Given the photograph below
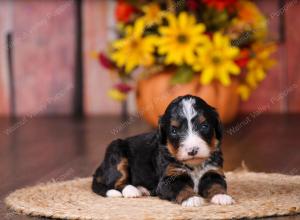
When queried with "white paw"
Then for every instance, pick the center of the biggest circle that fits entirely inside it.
(193, 201)
(222, 199)
(131, 191)
(144, 191)
(113, 193)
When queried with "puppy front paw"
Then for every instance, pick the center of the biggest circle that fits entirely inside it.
(113, 193)
(222, 199)
(131, 191)
(193, 201)
(143, 190)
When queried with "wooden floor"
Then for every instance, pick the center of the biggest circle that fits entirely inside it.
(34, 151)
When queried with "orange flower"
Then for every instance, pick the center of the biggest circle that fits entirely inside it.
(248, 12)
(123, 11)
(250, 15)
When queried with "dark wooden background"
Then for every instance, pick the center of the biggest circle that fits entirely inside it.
(45, 67)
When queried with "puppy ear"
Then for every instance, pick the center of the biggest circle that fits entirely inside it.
(161, 132)
(218, 126)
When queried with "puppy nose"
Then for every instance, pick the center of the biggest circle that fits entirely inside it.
(193, 151)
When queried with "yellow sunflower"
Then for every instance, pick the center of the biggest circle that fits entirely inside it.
(216, 60)
(244, 91)
(134, 49)
(152, 14)
(261, 62)
(180, 38)
(116, 95)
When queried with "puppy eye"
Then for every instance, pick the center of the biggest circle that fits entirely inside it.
(173, 130)
(204, 127)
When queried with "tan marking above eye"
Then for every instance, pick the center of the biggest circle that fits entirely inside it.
(175, 123)
(201, 119)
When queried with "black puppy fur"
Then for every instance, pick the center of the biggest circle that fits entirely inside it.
(153, 160)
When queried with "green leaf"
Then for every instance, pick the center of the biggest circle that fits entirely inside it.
(215, 20)
(184, 74)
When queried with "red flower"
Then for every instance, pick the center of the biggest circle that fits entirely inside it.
(243, 58)
(242, 62)
(105, 61)
(220, 4)
(123, 11)
(123, 87)
(192, 4)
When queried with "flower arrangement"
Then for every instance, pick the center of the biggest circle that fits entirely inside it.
(215, 40)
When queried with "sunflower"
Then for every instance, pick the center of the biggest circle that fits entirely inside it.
(134, 49)
(180, 38)
(116, 95)
(257, 67)
(261, 62)
(244, 91)
(216, 60)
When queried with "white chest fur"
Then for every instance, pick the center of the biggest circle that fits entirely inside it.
(197, 173)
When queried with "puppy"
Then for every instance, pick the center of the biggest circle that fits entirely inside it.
(180, 162)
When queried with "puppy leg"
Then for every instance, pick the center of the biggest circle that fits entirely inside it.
(177, 186)
(213, 187)
(112, 176)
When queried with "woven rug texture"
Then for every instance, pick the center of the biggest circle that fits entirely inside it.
(256, 195)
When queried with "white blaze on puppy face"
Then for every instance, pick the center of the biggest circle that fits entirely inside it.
(188, 109)
(192, 139)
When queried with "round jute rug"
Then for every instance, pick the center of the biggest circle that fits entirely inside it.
(256, 195)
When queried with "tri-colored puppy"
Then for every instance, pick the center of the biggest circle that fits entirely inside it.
(180, 162)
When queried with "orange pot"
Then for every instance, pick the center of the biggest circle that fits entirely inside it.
(154, 93)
